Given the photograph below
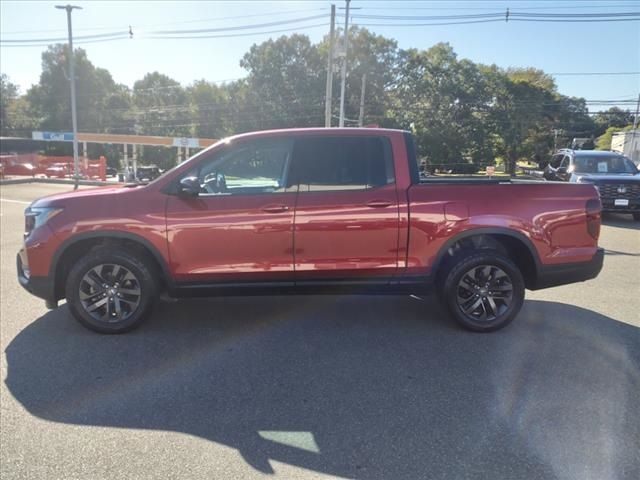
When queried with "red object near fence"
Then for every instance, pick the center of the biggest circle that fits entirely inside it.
(32, 165)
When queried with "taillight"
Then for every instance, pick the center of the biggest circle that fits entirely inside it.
(594, 212)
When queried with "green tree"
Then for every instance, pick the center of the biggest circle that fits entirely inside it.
(50, 98)
(444, 101)
(285, 85)
(211, 110)
(16, 114)
(161, 107)
(613, 117)
(522, 113)
(377, 57)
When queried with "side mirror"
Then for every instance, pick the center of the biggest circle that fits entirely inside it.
(189, 186)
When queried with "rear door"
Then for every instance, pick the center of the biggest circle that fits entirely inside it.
(346, 214)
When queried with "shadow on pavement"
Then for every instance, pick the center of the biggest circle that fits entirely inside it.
(620, 220)
(360, 387)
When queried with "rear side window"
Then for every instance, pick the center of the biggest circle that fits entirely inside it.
(341, 163)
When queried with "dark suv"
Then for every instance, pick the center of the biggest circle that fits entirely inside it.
(615, 177)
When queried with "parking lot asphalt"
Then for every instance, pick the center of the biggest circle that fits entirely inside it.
(323, 387)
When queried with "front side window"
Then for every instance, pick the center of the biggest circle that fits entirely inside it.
(341, 163)
(253, 167)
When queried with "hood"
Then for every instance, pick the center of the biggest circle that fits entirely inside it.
(609, 177)
(59, 199)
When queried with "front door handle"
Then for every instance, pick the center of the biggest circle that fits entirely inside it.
(275, 208)
(379, 203)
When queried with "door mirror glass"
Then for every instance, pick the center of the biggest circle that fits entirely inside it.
(189, 186)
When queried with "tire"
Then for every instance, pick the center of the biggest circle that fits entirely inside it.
(111, 290)
(472, 303)
(636, 217)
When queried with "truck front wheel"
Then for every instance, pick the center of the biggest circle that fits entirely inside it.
(483, 290)
(110, 290)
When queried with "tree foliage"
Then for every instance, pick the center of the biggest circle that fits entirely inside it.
(464, 115)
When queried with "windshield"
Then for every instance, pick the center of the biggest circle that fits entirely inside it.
(191, 159)
(603, 165)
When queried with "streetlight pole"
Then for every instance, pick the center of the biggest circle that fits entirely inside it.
(72, 79)
(329, 90)
(344, 63)
(364, 85)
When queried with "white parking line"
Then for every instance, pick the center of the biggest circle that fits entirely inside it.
(22, 202)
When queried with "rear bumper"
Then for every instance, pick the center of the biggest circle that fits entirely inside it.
(41, 287)
(555, 275)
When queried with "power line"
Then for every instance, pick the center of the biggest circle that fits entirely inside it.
(427, 24)
(538, 7)
(232, 35)
(594, 73)
(246, 34)
(64, 39)
(238, 27)
(201, 20)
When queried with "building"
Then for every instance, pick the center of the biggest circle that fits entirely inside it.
(627, 143)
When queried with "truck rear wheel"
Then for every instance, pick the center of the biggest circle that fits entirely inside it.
(483, 290)
(110, 291)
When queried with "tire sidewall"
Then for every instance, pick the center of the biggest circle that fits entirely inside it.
(466, 263)
(145, 278)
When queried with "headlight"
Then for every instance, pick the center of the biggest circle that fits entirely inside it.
(35, 217)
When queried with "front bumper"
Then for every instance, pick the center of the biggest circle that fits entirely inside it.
(608, 204)
(41, 287)
(555, 275)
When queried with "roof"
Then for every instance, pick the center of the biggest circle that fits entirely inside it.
(596, 153)
(592, 153)
(345, 131)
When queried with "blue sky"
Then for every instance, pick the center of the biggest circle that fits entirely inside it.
(554, 47)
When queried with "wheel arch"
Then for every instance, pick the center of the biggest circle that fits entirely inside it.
(82, 243)
(511, 242)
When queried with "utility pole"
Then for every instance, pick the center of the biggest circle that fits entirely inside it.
(364, 84)
(555, 139)
(329, 93)
(344, 63)
(72, 79)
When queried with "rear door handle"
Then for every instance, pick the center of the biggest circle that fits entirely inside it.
(379, 203)
(275, 208)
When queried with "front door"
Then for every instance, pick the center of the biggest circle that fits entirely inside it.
(240, 227)
(347, 215)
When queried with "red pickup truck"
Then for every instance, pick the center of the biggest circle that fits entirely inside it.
(308, 211)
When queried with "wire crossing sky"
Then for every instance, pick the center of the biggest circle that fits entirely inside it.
(592, 47)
